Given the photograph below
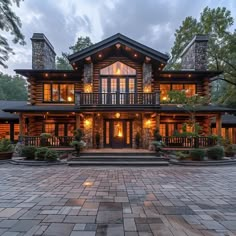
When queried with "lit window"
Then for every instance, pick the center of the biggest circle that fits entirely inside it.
(59, 92)
(49, 128)
(190, 89)
(164, 88)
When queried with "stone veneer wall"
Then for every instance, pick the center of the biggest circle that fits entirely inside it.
(43, 55)
(194, 55)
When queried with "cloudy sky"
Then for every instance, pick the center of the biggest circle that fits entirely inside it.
(151, 22)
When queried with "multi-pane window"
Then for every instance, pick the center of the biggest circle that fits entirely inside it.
(190, 89)
(59, 93)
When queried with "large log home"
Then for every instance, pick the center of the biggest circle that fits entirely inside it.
(117, 88)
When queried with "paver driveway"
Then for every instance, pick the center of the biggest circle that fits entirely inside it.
(117, 201)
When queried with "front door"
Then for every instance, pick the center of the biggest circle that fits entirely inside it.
(118, 133)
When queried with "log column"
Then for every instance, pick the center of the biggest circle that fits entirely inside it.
(77, 118)
(21, 124)
(218, 124)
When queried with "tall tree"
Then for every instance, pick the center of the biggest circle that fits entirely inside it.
(12, 87)
(11, 23)
(217, 24)
(82, 43)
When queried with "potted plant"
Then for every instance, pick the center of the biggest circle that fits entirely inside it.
(97, 140)
(44, 139)
(78, 143)
(6, 149)
(157, 136)
(137, 139)
(158, 147)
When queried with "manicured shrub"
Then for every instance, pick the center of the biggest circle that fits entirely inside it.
(197, 154)
(6, 146)
(28, 152)
(40, 153)
(215, 153)
(51, 155)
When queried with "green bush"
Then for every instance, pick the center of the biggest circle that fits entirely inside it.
(182, 155)
(197, 154)
(51, 155)
(215, 153)
(28, 152)
(5, 145)
(40, 153)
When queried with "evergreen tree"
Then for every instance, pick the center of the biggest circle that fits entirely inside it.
(9, 22)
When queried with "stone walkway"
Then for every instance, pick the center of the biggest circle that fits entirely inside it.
(112, 201)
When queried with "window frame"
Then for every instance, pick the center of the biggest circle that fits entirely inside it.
(183, 85)
(59, 93)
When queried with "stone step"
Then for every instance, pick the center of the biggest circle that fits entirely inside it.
(117, 154)
(119, 158)
(118, 163)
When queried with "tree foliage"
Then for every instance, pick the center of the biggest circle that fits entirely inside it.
(11, 23)
(82, 43)
(216, 23)
(12, 87)
(189, 104)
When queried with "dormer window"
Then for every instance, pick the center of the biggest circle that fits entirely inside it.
(63, 93)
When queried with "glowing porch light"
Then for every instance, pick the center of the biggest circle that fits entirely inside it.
(69, 99)
(117, 115)
(148, 123)
(88, 88)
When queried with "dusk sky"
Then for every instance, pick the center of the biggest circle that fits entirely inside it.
(151, 22)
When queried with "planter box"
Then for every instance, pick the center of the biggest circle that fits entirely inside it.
(5, 155)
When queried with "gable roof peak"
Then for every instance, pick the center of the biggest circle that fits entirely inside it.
(118, 38)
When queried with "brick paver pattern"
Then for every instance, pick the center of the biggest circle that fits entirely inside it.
(128, 201)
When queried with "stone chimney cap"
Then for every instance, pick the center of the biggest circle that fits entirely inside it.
(196, 38)
(42, 37)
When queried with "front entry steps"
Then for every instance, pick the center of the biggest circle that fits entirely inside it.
(118, 159)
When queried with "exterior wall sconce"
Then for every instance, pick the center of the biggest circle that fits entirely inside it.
(117, 115)
(147, 89)
(88, 123)
(148, 124)
(88, 88)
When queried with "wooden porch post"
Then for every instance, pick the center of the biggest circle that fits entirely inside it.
(77, 117)
(218, 124)
(158, 118)
(21, 124)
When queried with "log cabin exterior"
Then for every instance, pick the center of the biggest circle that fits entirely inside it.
(117, 88)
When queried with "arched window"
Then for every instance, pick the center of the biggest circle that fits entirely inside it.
(118, 68)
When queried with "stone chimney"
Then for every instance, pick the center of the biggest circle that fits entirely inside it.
(43, 55)
(194, 56)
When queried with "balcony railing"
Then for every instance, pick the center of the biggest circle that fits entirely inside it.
(121, 99)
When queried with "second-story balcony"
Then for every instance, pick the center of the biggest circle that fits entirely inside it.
(117, 99)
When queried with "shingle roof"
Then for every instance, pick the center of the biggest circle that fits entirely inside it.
(7, 105)
(226, 120)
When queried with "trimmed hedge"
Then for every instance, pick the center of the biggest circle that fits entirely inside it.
(40, 153)
(216, 153)
(28, 152)
(197, 154)
(51, 155)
